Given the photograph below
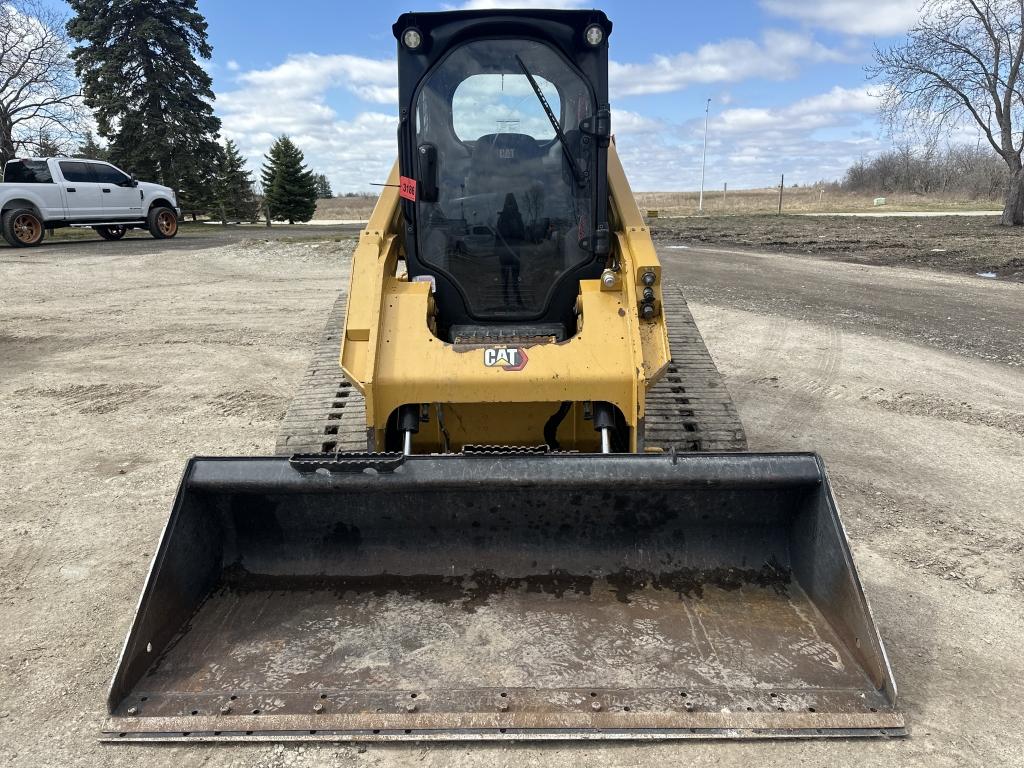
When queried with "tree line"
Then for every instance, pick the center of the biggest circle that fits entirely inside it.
(133, 66)
(962, 171)
(962, 63)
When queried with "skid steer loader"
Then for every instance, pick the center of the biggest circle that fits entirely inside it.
(524, 511)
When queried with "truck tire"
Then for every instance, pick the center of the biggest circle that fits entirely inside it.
(112, 231)
(162, 222)
(23, 228)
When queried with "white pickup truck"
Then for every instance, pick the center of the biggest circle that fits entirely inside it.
(41, 194)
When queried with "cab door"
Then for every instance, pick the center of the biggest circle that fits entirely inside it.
(85, 200)
(490, 159)
(120, 196)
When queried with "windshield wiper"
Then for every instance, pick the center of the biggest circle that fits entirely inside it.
(554, 122)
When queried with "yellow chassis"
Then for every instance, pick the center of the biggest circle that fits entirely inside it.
(390, 353)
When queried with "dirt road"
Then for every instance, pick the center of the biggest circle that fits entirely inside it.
(118, 362)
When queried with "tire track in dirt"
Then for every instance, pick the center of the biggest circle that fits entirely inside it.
(769, 350)
(91, 398)
(805, 402)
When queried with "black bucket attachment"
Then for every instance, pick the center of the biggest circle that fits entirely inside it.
(503, 597)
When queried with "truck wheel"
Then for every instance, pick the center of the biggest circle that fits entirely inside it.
(23, 228)
(112, 232)
(162, 223)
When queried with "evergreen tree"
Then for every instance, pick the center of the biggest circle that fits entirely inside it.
(152, 100)
(90, 150)
(323, 187)
(289, 187)
(47, 147)
(235, 196)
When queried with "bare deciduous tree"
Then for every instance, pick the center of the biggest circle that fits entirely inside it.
(959, 171)
(40, 103)
(960, 64)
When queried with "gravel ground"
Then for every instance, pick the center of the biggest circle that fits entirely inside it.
(120, 360)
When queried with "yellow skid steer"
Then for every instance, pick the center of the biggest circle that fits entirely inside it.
(522, 507)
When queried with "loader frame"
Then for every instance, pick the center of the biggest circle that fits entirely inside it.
(391, 354)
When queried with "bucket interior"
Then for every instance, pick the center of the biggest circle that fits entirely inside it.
(430, 603)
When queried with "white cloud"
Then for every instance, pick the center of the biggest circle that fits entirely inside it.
(626, 122)
(291, 98)
(233, 65)
(853, 17)
(310, 73)
(751, 146)
(776, 57)
(839, 106)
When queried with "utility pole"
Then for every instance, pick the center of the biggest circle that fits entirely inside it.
(704, 157)
(782, 186)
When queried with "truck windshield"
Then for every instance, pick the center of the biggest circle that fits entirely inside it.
(510, 212)
(27, 172)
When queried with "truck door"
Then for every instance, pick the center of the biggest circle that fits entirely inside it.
(83, 193)
(121, 199)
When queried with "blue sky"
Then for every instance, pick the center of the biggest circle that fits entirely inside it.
(786, 79)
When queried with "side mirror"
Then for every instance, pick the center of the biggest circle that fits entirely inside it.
(135, 182)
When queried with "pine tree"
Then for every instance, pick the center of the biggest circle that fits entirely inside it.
(152, 100)
(90, 150)
(46, 146)
(289, 187)
(323, 186)
(235, 197)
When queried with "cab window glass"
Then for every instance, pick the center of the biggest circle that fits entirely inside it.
(108, 174)
(75, 171)
(27, 172)
(502, 103)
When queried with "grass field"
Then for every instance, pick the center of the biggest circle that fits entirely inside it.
(744, 201)
(798, 200)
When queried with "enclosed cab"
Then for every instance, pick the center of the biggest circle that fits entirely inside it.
(505, 129)
(502, 203)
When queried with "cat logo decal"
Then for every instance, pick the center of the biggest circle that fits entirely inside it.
(506, 358)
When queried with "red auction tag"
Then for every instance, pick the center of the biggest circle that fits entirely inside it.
(407, 188)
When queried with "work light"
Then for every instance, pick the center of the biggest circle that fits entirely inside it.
(412, 39)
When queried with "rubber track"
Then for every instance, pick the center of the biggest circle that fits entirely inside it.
(689, 408)
(327, 414)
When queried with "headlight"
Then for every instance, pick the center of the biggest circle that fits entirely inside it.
(593, 35)
(412, 39)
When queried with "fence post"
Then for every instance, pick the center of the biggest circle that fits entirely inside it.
(782, 186)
